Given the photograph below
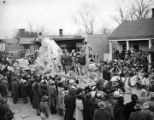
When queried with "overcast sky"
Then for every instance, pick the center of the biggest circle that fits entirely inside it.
(52, 14)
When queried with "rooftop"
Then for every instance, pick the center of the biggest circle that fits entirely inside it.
(137, 29)
(67, 37)
(10, 41)
(27, 40)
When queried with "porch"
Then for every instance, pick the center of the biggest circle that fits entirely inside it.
(132, 44)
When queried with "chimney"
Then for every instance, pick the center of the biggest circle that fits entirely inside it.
(21, 32)
(152, 12)
(60, 32)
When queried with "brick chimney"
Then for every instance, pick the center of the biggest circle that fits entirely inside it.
(21, 32)
(152, 12)
(60, 32)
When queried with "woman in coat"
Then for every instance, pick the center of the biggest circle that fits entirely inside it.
(119, 109)
(44, 108)
(60, 105)
(36, 96)
(52, 97)
(70, 104)
(102, 113)
(78, 114)
(15, 90)
(89, 105)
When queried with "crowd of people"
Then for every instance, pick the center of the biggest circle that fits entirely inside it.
(51, 95)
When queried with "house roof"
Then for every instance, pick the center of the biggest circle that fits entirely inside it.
(10, 41)
(136, 29)
(67, 37)
(26, 41)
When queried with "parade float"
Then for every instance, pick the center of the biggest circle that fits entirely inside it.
(48, 58)
(47, 63)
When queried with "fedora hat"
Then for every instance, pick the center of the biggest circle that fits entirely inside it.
(137, 106)
(102, 105)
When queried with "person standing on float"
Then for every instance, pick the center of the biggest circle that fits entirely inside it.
(87, 49)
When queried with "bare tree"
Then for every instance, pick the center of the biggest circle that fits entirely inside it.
(122, 15)
(85, 18)
(31, 28)
(105, 29)
(139, 9)
(40, 29)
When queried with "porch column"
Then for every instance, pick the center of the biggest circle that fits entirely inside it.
(110, 49)
(127, 45)
(118, 47)
(150, 45)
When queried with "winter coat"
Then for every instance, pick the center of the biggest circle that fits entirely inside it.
(44, 89)
(102, 114)
(44, 109)
(70, 106)
(151, 105)
(4, 88)
(78, 114)
(120, 112)
(60, 104)
(30, 92)
(110, 108)
(64, 93)
(36, 95)
(5, 112)
(141, 115)
(15, 89)
(88, 110)
(130, 108)
(52, 96)
(24, 89)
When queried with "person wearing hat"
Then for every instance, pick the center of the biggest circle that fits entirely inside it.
(141, 114)
(130, 105)
(60, 105)
(69, 102)
(24, 90)
(44, 108)
(136, 114)
(5, 111)
(4, 87)
(30, 92)
(102, 113)
(146, 112)
(78, 114)
(52, 97)
(36, 96)
(15, 89)
(119, 109)
(44, 87)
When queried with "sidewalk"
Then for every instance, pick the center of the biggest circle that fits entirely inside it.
(26, 112)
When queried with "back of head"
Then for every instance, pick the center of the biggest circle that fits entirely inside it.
(79, 93)
(121, 100)
(134, 98)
